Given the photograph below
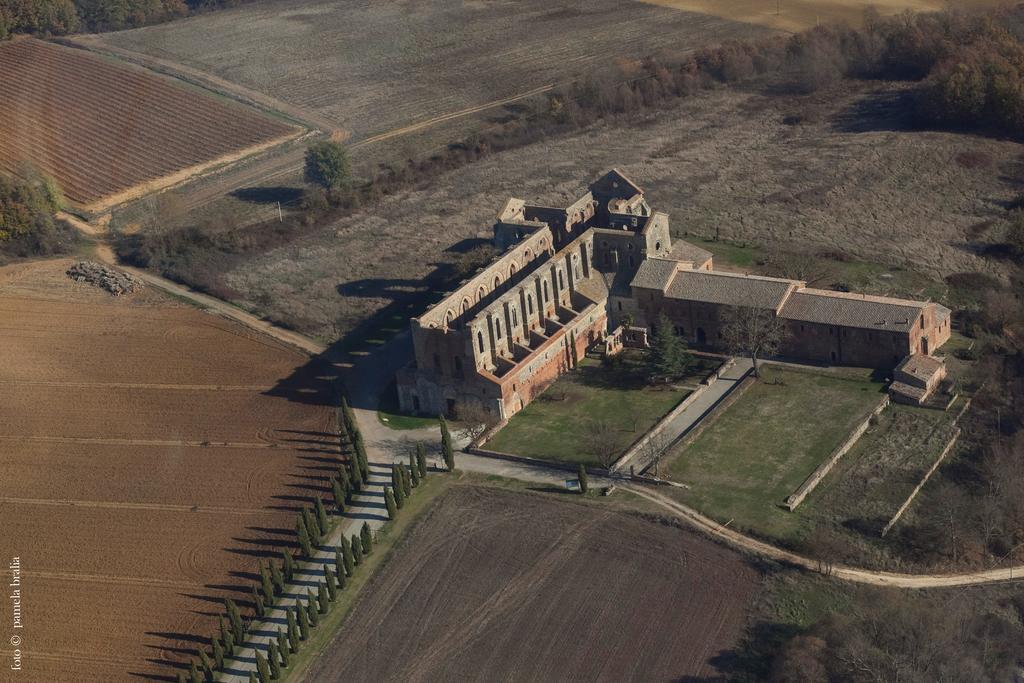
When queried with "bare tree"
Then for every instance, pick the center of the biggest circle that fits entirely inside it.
(474, 421)
(754, 332)
(798, 265)
(602, 441)
(653, 450)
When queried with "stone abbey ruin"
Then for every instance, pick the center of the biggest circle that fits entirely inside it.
(568, 277)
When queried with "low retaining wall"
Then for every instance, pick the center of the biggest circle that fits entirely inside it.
(639, 444)
(718, 409)
(811, 482)
(920, 485)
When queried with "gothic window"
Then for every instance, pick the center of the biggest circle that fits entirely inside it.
(546, 295)
(529, 304)
(480, 341)
(561, 280)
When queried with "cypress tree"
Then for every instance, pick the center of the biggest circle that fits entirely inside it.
(347, 556)
(293, 631)
(257, 601)
(332, 586)
(366, 538)
(446, 445)
(396, 483)
(312, 526)
(356, 475)
(274, 659)
(276, 577)
(357, 550)
(303, 620)
(406, 484)
(321, 514)
(288, 564)
(262, 668)
(361, 459)
(342, 581)
(218, 654)
(345, 480)
(323, 597)
(348, 416)
(193, 673)
(582, 476)
(414, 471)
(228, 637)
(312, 609)
(389, 502)
(267, 584)
(205, 664)
(303, 534)
(283, 648)
(339, 496)
(421, 460)
(237, 627)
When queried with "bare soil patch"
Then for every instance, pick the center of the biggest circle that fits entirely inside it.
(151, 454)
(108, 132)
(499, 585)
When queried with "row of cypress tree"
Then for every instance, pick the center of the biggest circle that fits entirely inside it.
(311, 526)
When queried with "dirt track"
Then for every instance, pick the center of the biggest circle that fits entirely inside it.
(150, 453)
(495, 585)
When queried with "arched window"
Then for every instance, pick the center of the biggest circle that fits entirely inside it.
(529, 304)
(546, 295)
(497, 329)
(561, 280)
(480, 341)
(515, 318)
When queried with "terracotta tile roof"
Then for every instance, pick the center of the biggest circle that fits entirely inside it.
(685, 251)
(654, 273)
(920, 366)
(730, 289)
(852, 310)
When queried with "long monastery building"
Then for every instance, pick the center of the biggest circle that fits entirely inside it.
(566, 276)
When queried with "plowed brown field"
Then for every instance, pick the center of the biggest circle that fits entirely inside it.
(150, 454)
(503, 586)
(107, 131)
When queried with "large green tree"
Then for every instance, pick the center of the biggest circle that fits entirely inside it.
(327, 165)
(668, 356)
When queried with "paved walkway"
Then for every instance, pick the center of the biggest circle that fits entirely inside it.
(688, 418)
(367, 506)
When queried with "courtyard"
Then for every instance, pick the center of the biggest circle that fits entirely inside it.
(593, 414)
(760, 449)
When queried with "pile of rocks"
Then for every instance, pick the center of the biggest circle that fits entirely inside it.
(114, 281)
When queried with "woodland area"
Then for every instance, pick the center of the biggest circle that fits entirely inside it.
(27, 223)
(59, 17)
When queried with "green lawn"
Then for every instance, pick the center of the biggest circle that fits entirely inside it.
(560, 424)
(737, 254)
(762, 447)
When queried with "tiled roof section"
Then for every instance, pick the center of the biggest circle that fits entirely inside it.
(920, 366)
(685, 251)
(654, 273)
(852, 310)
(730, 289)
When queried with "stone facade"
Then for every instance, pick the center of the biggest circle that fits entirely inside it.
(568, 275)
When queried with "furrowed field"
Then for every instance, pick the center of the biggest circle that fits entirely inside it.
(108, 132)
(152, 453)
(494, 585)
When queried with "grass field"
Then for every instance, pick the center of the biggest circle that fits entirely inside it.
(108, 132)
(761, 448)
(557, 424)
(513, 595)
(372, 67)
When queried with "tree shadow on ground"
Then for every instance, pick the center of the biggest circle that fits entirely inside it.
(752, 658)
(269, 195)
(882, 111)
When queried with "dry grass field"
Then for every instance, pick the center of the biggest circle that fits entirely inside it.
(852, 176)
(494, 585)
(151, 454)
(794, 15)
(108, 132)
(373, 67)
